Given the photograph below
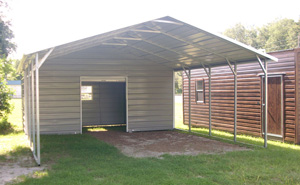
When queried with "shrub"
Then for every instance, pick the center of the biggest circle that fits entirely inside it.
(5, 97)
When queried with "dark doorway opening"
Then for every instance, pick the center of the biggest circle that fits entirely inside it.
(103, 103)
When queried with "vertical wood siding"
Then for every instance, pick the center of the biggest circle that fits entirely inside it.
(248, 100)
(150, 102)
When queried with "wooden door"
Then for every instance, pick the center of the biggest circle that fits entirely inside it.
(275, 106)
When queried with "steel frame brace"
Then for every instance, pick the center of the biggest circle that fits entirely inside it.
(41, 62)
(261, 64)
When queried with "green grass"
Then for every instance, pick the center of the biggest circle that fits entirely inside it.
(14, 144)
(226, 136)
(16, 116)
(82, 159)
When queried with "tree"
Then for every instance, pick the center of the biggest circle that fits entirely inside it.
(241, 34)
(16, 75)
(5, 95)
(6, 34)
(280, 34)
(6, 69)
(178, 82)
(283, 34)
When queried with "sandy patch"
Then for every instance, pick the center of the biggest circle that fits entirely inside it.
(157, 143)
(10, 170)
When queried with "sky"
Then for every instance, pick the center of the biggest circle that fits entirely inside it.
(40, 24)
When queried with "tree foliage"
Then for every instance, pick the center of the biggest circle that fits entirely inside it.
(5, 94)
(7, 70)
(178, 82)
(6, 34)
(280, 34)
(240, 33)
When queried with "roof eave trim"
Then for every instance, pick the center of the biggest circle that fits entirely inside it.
(265, 55)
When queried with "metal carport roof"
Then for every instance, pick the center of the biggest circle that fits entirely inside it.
(166, 41)
(169, 42)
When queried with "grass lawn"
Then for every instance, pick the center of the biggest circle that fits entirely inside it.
(14, 144)
(82, 159)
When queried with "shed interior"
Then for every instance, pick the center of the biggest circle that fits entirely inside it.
(103, 103)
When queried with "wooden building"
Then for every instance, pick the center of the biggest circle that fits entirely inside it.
(283, 98)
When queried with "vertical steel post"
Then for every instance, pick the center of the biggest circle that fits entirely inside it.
(25, 102)
(262, 107)
(81, 108)
(235, 101)
(173, 99)
(209, 85)
(32, 106)
(234, 72)
(266, 106)
(189, 99)
(29, 105)
(37, 108)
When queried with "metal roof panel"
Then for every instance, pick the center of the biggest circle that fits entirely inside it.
(166, 41)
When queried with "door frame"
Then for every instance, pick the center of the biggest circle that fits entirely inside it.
(104, 79)
(282, 104)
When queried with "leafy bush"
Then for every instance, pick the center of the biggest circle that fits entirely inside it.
(5, 97)
(5, 126)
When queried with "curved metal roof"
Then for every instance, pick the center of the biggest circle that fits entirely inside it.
(169, 42)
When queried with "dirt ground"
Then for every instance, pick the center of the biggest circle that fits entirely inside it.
(157, 143)
(11, 169)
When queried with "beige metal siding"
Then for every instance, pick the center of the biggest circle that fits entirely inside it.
(150, 91)
(59, 105)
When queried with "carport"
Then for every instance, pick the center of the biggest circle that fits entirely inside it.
(145, 56)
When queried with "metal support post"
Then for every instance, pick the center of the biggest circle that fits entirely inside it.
(265, 103)
(189, 100)
(26, 103)
(234, 72)
(32, 103)
(209, 85)
(29, 105)
(188, 74)
(266, 107)
(32, 107)
(235, 101)
(37, 108)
